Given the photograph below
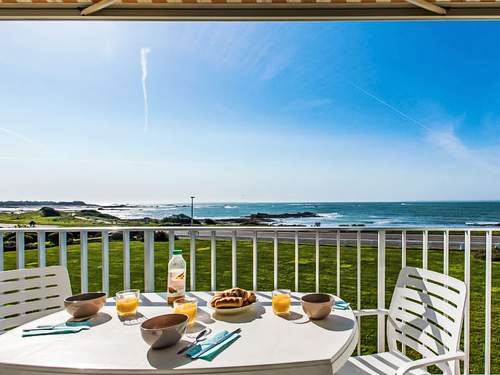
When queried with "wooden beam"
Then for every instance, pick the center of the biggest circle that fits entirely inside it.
(473, 11)
(428, 6)
(96, 7)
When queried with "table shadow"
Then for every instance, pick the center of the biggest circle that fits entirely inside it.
(94, 320)
(335, 323)
(295, 317)
(133, 320)
(244, 317)
(204, 317)
(201, 302)
(167, 358)
(196, 328)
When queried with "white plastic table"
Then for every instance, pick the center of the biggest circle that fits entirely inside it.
(268, 344)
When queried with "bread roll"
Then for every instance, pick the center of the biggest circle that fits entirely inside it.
(232, 298)
(228, 302)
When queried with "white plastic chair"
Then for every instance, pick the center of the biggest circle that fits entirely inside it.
(426, 315)
(28, 294)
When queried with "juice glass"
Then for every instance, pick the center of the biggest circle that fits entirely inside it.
(187, 306)
(127, 302)
(281, 301)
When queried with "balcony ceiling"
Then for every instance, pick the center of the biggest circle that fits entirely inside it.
(248, 9)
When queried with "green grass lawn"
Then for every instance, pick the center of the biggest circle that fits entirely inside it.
(286, 277)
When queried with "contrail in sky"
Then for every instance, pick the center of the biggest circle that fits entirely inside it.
(391, 107)
(144, 69)
(18, 136)
(446, 139)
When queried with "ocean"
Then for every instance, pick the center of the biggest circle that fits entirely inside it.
(393, 214)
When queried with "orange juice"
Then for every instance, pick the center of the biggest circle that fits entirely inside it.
(127, 306)
(188, 309)
(281, 303)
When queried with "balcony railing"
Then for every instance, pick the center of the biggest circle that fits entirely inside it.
(338, 260)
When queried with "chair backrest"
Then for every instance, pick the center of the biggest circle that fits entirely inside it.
(28, 294)
(426, 314)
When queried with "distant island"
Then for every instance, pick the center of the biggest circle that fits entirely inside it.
(15, 204)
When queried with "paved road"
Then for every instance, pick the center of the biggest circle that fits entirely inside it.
(349, 238)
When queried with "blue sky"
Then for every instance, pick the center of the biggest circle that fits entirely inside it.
(250, 111)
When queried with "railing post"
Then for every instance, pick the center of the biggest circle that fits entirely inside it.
(149, 261)
(254, 260)
(446, 252)
(275, 258)
(403, 249)
(467, 304)
(171, 243)
(358, 285)
(234, 240)
(425, 250)
(41, 249)
(84, 266)
(403, 265)
(19, 250)
(213, 260)
(1, 251)
(63, 249)
(487, 309)
(126, 259)
(338, 263)
(317, 261)
(296, 261)
(381, 292)
(105, 261)
(192, 260)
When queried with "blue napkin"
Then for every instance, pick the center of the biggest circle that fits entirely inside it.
(341, 305)
(69, 323)
(214, 352)
(59, 331)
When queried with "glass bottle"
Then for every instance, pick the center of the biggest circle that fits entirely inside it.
(176, 279)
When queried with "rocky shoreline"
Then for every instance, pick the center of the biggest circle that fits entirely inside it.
(95, 216)
(253, 219)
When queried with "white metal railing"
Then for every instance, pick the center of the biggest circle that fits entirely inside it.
(483, 238)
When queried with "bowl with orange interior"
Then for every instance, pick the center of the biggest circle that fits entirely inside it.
(233, 301)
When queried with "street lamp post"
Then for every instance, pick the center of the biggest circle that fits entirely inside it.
(192, 209)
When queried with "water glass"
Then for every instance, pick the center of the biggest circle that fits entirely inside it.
(282, 299)
(127, 302)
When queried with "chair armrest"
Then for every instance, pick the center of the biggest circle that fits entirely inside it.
(429, 361)
(370, 312)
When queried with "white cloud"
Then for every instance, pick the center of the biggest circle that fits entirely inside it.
(446, 138)
(309, 104)
(144, 70)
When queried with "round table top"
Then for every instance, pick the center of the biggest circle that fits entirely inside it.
(268, 343)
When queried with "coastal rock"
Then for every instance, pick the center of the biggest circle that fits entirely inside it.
(96, 214)
(267, 217)
(49, 212)
(179, 219)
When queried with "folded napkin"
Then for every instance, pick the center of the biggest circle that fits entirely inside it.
(68, 323)
(341, 305)
(214, 352)
(58, 331)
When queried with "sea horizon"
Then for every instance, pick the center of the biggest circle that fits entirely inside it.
(328, 214)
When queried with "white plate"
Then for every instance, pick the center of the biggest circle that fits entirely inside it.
(234, 310)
